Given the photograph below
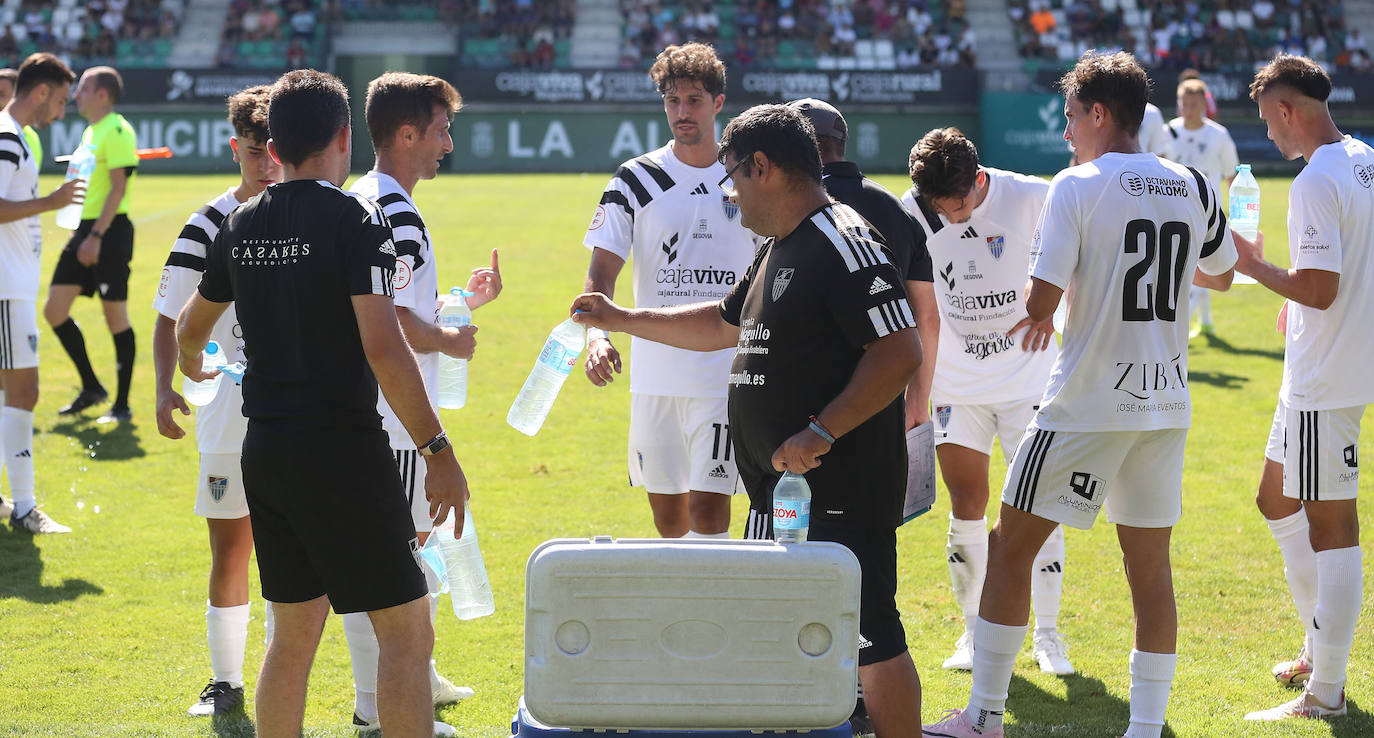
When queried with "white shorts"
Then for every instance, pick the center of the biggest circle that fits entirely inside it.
(681, 444)
(1067, 476)
(412, 467)
(1322, 461)
(219, 490)
(975, 426)
(18, 334)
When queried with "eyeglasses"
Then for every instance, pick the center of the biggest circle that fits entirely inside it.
(729, 189)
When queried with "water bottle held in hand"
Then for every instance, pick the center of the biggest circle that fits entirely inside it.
(791, 508)
(1245, 209)
(201, 393)
(551, 370)
(453, 373)
(459, 568)
(234, 372)
(80, 166)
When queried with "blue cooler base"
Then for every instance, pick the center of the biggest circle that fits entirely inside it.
(525, 726)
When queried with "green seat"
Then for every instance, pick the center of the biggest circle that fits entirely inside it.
(727, 30)
(162, 48)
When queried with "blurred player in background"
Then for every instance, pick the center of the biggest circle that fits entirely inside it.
(667, 209)
(1201, 143)
(1118, 235)
(220, 425)
(96, 259)
(977, 223)
(408, 117)
(1311, 477)
(43, 83)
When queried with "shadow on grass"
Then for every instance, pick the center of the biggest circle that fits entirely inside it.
(1356, 724)
(1221, 344)
(114, 442)
(21, 576)
(1039, 713)
(1218, 379)
(236, 724)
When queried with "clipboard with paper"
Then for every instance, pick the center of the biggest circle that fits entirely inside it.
(920, 471)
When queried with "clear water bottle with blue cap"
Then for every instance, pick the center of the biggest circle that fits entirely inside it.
(556, 361)
(458, 566)
(453, 372)
(81, 165)
(791, 508)
(201, 393)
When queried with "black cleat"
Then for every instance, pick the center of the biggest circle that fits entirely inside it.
(218, 698)
(860, 722)
(116, 415)
(85, 399)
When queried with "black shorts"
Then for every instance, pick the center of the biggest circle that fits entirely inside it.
(881, 635)
(329, 517)
(109, 278)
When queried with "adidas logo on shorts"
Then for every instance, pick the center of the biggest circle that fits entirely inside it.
(718, 472)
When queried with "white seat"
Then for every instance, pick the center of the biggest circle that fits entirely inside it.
(846, 62)
(826, 62)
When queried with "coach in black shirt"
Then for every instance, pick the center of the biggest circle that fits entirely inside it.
(309, 268)
(904, 238)
(822, 328)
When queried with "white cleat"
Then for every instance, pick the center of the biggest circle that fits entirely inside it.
(956, 725)
(1294, 673)
(37, 522)
(446, 693)
(962, 659)
(1051, 652)
(1305, 706)
(374, 727)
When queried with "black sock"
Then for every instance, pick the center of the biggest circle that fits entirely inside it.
(124, 364)
(75, 346)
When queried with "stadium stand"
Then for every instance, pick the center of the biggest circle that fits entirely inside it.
(267, 34)
(126, 33)
(1211, 35)
(804, 34)
(515, 33)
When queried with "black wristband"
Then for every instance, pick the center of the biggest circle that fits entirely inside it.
(96, 234)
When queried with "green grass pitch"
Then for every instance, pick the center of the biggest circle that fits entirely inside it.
(102, 631)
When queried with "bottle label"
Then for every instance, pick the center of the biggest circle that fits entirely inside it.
(792, 514)
(558, 357)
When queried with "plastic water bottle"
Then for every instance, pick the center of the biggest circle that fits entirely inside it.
(80, 166)
(201, 393)
(791, 508)
(1245, 209)
(453, 373)
(551, 370)
(458, 564)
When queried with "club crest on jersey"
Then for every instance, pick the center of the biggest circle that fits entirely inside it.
(942, 413)
(995, 245)
(780, 282)
(732, 208)
(218, 486)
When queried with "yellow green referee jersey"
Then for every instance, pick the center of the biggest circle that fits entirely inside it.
(112, 139)
(35, 145)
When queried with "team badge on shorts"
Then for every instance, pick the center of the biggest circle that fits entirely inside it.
(996, 244)
(780, 282)
(731, 208)
(942, 413)
(218, 486)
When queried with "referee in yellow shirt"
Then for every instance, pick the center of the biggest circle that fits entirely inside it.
(96, 259)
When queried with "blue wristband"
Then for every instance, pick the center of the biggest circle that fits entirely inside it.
(818, 430)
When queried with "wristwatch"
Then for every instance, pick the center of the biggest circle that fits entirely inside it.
(97, 235)
(435, 445)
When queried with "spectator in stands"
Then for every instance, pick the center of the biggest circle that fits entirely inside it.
(295, 55)
(1042, 20)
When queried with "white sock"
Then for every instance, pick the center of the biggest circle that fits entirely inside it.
(269, 623)
(433, 615)
(1203, 296)
(1340, 585)
(16, 438)
(1299, 567)
(1047, 581)
(363, 651)
(994, 654)
(2, 442)
(966, 550)
(226, 630)
(724, 536)
(1152, 675)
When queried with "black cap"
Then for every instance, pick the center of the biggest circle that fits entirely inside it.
(823, 116)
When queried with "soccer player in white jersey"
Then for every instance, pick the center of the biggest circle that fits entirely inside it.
(408, 118)
(978, 223)
(1154, 137)
(666, 209)
(1205, 145)
(220, 425)
(1308, 489)
(1120, 234)
(43, 84)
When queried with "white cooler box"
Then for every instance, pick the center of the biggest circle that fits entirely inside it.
(691, 635)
